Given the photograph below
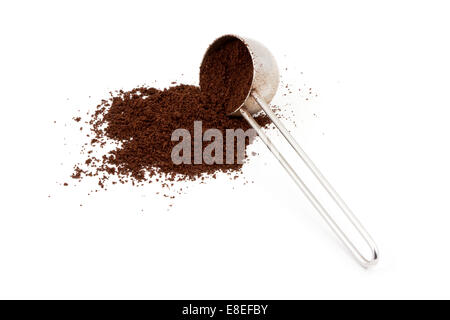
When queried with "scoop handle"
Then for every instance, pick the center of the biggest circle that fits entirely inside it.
(365, 262)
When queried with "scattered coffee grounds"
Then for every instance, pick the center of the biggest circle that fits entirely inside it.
(226, 74)
(140, 123)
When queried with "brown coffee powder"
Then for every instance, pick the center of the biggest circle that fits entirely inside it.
(226, 74)
(141, 121)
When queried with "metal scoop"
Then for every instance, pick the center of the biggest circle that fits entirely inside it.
(264, 86)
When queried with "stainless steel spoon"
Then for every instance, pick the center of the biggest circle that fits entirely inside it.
(264, 86)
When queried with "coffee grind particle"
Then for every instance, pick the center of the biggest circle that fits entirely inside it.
(140, 122)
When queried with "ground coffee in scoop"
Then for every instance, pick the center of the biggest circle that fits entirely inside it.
(226, 74)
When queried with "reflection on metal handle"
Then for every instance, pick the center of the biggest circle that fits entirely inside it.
(325, 184)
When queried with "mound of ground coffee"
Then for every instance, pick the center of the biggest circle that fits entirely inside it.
(226, 74)
(140, 122)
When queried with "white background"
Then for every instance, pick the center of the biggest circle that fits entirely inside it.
(378, 129)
